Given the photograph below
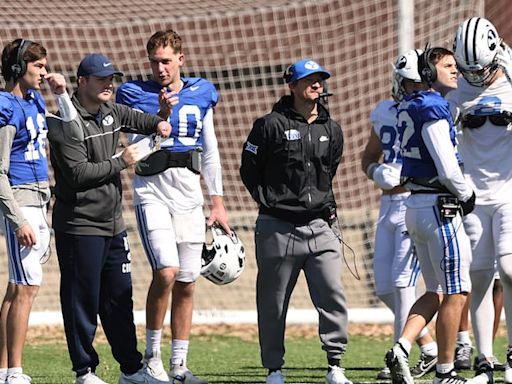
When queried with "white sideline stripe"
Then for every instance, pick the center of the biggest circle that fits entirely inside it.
(295, 316)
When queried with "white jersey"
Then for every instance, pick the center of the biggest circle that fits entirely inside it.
(486, 151)
(383, 119)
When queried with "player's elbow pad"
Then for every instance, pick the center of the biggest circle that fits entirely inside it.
(385, 176)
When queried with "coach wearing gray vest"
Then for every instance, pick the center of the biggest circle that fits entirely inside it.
(288, 163)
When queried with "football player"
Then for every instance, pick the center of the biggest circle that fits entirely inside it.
(483, 105)
(24, 190)
(169, 204)
(395, 265)
(439, 197)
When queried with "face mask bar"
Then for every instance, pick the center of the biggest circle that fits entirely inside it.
(482, 77)
(502, 119)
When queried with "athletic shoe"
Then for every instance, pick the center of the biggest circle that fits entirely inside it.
(142, 376)
(396, 361)
(425, 364)
(18, 378)
(498, 366)
(155, 368)
(336, 375)
(275, 377)
(463, 353)
(508, 368)
(185, 377)
(384, 374)
(89, 378)
(450, 378)
(484, 371)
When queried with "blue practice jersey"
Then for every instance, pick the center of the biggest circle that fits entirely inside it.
(28, 163)
(195, 99)
(416, 110)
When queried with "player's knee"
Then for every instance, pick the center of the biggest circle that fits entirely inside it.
(505, 268)
(165, 277)
(184, 289)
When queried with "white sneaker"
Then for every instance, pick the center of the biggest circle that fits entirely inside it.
(155, 368)
(89, 378)
(507, 378)
(275, 377)
(185, 377)
(142, 376)
(336, 376)
(18, 378)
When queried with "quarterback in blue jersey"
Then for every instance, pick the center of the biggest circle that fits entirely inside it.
(439, 197)
(169, 204)
(24, 191)
(395, 264)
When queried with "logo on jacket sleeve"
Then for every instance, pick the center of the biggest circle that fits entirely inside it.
(251, 148)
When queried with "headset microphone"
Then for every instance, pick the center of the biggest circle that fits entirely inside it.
(325, 94)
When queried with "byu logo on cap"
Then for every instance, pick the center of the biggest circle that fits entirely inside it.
(311, 65)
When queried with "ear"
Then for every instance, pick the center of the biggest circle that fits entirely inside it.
(82, 80)
(181, 59)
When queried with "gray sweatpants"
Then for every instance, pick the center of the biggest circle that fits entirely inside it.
(282, 251)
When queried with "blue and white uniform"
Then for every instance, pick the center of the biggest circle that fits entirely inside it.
(487, 156)
(395, 265)
(394, 262)
(169, 204)
(431, 168)
(24, 188)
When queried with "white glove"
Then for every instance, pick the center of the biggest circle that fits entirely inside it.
(504, 58)
(386, 176)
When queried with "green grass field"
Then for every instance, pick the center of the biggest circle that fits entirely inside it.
(233, 359)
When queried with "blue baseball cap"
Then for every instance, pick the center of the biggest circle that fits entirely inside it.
(97, 64)
(304, 68)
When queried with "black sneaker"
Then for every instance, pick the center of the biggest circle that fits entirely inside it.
(384, 374)
(449, 378)
(463, 354)
(498, 366)
(424, 365)
(484, 371)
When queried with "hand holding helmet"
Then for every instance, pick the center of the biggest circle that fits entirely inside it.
(222, 259)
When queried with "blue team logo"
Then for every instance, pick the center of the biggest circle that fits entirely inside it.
(489, 105)
(251, 148)
(292, 134)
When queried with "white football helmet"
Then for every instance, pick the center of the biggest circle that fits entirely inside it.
(405, 67)
(476, 46)
(222, 259)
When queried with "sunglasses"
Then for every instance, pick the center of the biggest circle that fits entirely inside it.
(473, 121)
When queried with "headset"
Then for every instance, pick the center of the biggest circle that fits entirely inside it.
(428, 71)
(288, 74)
(19, 67)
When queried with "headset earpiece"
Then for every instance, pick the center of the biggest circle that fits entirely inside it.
(288, 73)
(19, 67)
(428, 71)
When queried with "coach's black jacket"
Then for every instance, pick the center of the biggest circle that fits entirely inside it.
(87, 181)
(288, 164)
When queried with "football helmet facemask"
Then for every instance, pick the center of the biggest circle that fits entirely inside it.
(476, 47)
(405, 67)
(223, 256)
